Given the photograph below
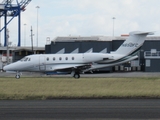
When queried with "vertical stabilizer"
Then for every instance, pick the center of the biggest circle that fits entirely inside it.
(132, 43)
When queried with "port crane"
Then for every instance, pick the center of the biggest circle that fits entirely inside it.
(12, 9)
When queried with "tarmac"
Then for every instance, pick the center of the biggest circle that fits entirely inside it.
(107, 75)
(81, 109)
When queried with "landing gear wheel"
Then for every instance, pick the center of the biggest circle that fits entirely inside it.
(76, 76)
(17, 76)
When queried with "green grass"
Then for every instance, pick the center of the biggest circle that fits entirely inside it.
(50, 88)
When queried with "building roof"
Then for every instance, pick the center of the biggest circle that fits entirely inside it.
(96, 38)
(22, 48)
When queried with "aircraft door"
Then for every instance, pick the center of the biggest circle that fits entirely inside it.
(42, 66)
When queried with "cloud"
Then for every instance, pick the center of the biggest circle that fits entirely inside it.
(87, 18)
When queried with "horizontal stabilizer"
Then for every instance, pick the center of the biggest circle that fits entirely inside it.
(141, 33)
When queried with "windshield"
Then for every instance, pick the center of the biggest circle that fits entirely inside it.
(25, 59)
(22, 59)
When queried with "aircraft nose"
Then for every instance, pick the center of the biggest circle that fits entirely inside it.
(4, 68)
(11, 67)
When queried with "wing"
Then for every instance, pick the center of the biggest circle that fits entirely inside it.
(64, 67)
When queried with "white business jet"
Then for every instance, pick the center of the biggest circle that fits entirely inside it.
(80, 62)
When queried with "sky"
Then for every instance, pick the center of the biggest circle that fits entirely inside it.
(83, 18)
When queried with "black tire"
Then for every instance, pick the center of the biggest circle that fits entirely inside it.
(76, 76)
(17, 76)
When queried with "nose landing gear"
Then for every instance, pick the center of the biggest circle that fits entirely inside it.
(17, 75)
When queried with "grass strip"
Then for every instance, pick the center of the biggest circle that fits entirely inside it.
(52, 88)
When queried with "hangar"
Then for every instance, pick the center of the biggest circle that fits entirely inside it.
(149, 54)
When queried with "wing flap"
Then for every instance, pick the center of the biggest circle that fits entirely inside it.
(68, 66)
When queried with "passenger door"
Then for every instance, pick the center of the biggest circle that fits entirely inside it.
(42, 61)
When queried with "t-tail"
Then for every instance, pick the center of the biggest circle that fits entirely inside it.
(132, 43)
(126, 52)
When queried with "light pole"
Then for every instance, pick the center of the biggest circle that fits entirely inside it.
(37, 24)
(32, 39)
(113, 25)
(25, 34)
(0, 32)
(7, 35)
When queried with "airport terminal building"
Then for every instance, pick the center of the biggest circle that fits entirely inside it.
(149, 54)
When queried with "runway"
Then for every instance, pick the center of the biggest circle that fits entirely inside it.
(87, 109)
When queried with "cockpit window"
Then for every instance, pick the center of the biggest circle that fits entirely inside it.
(25, 59)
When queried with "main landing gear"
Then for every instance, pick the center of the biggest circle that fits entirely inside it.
(75, 74)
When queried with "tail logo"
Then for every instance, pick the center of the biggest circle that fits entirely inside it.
(130, 45)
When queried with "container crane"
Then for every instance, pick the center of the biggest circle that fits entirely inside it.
(10, 9)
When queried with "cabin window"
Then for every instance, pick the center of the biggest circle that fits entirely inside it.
(29, 59)
(72, 58)
(47, 58)
(66, 58)
(60, 58)
(54, 58)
